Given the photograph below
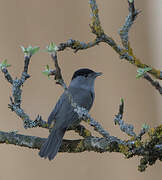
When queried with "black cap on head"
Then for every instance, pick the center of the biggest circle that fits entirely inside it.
(82, 72)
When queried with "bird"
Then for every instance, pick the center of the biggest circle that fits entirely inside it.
(63, 115)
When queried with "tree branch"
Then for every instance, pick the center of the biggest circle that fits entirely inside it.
(155, 84)
(150, 149)
(124, 53)
(17, 84)
(127, 128)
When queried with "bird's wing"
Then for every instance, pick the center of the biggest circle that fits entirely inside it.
(56, 109)
(82, 97)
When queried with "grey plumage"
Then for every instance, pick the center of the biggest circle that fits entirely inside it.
(82, 91)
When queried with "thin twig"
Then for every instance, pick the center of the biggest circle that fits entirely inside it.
(123, 32)
(7, 76)
(15, 100)
(77, 45)
(124, 53)
(126, 128)
(155, 84)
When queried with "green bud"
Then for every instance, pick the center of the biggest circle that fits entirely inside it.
(142, 71)
(52, 48)
(29, 51)
(4, 64)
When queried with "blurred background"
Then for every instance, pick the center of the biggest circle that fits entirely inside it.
(40, 22)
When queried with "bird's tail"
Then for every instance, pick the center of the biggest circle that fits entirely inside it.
(52, 144)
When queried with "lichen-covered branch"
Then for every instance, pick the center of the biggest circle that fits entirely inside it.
(127, 128)
(7, 76)
(123, 32)
(95, 23)
(96, 125)
(124, 53)
(90, 143)
(81, 130)
(155, 84)
(78, 45)
(150, 150)
(15, 100)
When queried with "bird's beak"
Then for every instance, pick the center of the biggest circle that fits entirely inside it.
(98, 74)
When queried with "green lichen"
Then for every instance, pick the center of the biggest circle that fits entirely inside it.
(88, 121)
(142, 167)
(138, 143)
(45, 125)
(7, 142)
(95, 25)
(155, 132)
(77, 45)
(79, 147)
(87, 133)
(124, 149)
(139, 64)
(27, 139)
